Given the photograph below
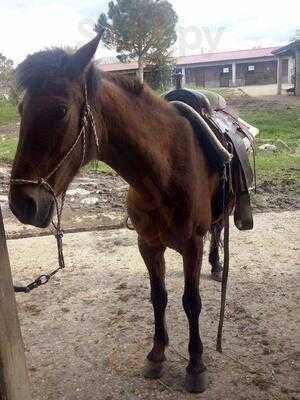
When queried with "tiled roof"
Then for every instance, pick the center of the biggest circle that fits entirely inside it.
(227, 56)
(200, 58)
(118, 66)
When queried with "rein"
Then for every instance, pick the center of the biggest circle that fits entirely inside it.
(87, 120)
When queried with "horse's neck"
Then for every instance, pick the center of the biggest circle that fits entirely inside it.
(135, 143)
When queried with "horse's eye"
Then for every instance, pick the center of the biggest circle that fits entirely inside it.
(60, 111)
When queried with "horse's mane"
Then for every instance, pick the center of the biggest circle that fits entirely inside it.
(130, 85)
(51, 64)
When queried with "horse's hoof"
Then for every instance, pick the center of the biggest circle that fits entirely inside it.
(153, 370)
(217, 275)
(196, 383)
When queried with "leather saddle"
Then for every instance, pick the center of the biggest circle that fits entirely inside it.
(220, 134)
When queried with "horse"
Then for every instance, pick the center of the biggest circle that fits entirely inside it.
(72, 113)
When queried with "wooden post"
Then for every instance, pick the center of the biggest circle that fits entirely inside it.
(233, 84)
(279, 75)
(13, 375)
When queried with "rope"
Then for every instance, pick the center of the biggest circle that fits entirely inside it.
(224, 282)
(227, 188)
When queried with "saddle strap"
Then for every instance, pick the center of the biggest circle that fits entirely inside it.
(241, 151)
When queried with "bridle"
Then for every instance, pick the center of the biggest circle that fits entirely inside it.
(87, 121)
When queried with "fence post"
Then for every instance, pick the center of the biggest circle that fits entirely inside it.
(13, 374)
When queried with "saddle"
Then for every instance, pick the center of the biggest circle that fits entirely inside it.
(225, 138)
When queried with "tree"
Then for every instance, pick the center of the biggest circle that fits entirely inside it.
(6, 70)
(160, 75)
(142, 30)
(7, 78)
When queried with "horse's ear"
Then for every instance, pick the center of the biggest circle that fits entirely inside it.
(80, 60)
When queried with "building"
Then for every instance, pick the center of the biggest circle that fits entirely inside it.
(225, 69)
(233, 68)
(292, 52)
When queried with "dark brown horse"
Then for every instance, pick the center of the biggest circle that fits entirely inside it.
(172, 196)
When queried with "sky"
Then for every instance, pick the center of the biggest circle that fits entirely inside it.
(27, 26)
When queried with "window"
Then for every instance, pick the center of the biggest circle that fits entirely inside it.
(251, 68)
(225, 70)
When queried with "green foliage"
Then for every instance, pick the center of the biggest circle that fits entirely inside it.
(6, 69)
(7, 78)
(142, 30)
(160, 75)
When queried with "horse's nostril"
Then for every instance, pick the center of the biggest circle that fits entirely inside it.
(30, 207)
(23, 205)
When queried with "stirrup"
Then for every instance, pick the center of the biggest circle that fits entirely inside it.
(243, 218)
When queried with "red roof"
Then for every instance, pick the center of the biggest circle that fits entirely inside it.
(118, 66)
(201, 58)
(227, 56)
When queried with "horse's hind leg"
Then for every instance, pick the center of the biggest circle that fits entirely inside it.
(154, 260)
(196, 375)
(214, 257)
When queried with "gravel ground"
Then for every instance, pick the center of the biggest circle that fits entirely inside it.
(87, 332)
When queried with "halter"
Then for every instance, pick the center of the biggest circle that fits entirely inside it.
(87, 120)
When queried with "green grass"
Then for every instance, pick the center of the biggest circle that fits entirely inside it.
(8, 112)
(98, 166)
(7, 149)
(276, 126)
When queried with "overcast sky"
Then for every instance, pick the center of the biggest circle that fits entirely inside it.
(30, 25)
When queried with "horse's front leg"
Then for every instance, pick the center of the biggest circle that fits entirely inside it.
(196, 375)
(154, 260)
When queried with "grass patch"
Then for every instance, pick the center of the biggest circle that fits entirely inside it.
(8, 148)
(98, 167)
(8, 111)
(278, 167)
(276, 126)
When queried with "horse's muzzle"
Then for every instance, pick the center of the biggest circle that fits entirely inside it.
(32, 205)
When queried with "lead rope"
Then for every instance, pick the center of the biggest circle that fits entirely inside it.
(227, 188)
(87, 117)
(226, 260)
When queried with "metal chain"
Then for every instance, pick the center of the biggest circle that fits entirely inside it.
(87, 119)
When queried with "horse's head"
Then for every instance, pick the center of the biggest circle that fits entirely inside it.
(51, 119)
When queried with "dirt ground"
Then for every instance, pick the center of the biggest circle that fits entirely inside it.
(265, 90)
(87, 332)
